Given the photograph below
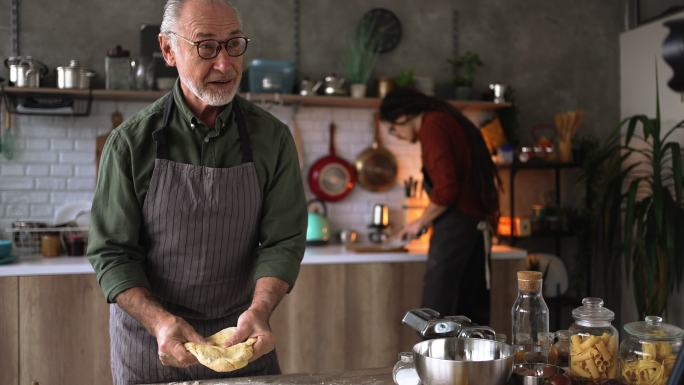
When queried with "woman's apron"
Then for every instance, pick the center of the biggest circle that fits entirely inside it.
(457, 270)
(201, 228)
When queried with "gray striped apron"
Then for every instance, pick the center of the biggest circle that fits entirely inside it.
(201, 232)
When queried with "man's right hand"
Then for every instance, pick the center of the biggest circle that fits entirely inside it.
(171, 333)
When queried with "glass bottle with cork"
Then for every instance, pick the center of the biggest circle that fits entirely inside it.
(530, 320)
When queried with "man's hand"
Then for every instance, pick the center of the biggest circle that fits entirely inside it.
(253, 323)
(171, 333)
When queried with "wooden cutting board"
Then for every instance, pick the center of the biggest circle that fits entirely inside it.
(100, 141)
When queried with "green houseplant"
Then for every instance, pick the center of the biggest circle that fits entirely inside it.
(360, 58)
(463, 68)
(639, 183)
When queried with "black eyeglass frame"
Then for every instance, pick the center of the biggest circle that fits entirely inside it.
(221, 44)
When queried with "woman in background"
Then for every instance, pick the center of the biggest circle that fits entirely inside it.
(463, 185)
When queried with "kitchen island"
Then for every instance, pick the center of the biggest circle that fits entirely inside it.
(343, 314)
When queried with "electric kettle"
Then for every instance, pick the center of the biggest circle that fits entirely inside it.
(318, 229)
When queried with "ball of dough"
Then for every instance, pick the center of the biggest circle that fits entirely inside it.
(218, 358)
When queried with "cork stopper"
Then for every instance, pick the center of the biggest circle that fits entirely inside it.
(529, 280)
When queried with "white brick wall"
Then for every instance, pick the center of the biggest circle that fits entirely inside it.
(55, 161)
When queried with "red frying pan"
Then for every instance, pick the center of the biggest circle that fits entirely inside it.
(332, 178)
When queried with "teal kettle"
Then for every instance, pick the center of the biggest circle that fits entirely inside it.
(318, 229)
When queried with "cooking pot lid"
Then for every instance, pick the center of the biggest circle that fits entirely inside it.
(653, 328)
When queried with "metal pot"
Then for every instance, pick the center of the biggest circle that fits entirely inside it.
(462, 361)
(74, 76)
(376, 166)
(25, 71)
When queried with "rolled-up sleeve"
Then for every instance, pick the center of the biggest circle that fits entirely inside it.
(284, 218)
(114, 247)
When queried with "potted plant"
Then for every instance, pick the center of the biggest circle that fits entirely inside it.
(360, 59)
(406, 78)
(640, 183)
(464, 68)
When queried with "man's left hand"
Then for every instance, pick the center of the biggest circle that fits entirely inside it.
(253, 323)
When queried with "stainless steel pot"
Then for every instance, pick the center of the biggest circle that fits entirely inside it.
(25, 71)
(463, 361)
(74, 76)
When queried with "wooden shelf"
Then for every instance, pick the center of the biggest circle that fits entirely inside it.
(286, 99)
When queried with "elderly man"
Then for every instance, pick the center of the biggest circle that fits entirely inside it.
(199, 218)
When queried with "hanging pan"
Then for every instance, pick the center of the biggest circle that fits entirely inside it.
(376, 166)
(331, 178)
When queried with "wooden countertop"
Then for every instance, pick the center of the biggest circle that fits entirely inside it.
(379, 376)
(314, 255)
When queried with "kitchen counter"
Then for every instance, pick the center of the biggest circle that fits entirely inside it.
(379, 376)
(314, 255)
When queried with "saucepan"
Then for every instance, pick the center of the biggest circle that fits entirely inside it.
(463, 361)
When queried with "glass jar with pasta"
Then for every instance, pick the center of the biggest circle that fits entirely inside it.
(648, 351)
(593, 341)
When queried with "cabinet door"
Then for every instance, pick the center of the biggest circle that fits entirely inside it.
(64, 331)
(9, 330)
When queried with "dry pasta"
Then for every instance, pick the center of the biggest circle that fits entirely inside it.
(652, 367)
(593, 356)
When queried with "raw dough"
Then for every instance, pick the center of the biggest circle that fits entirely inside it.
(218, 358)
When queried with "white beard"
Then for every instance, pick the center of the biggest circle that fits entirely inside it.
(214, 99)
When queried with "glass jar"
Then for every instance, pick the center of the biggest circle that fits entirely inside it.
(530, 320)
(648, 351)
(559, 354)
(118, 67)
(593, 341)
(404, 372)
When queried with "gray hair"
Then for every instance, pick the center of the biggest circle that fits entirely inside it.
(172, 11)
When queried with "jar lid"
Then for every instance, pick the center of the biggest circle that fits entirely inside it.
(592, 310)
(653, 328)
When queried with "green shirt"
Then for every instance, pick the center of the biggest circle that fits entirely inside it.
(115, 247)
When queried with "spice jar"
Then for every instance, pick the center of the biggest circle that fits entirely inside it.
(50, 245)
(118, 68)
(559, 354)
(649, 351)
(75, 244)
(593, 341)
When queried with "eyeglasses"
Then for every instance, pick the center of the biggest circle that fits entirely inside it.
(210, 48)
(391, 130)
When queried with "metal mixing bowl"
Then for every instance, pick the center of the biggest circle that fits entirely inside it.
(463, 361)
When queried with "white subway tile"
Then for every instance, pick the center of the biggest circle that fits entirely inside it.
(37, 170)
(51, 183)
(43, 132)
(61, 144)
(85, 170)
(81, 184)
(37, 144)
(77, 157)
(24, 197)
(42, 210)
(16, 183)
(39, 156)
(61, 170)
(84, 145)
(17, 210)
(63, 197)
(11, 170)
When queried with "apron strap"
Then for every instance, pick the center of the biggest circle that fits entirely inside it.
(160, 135)
(245, 142)
(487, 231)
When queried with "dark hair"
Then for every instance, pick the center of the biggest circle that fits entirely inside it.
(405, 101)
